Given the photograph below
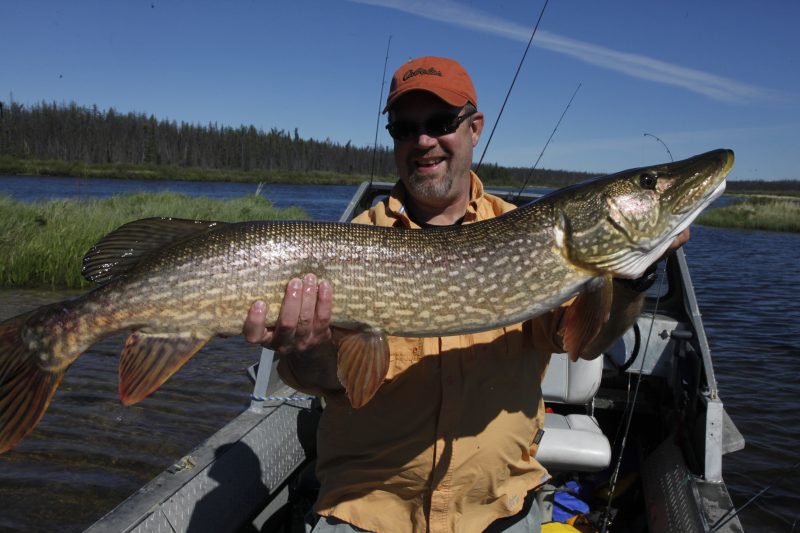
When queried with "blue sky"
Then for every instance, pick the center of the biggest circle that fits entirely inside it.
(698, 75)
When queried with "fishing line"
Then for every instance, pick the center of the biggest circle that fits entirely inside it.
(662, 143)
(519, 67)
(530, 174)
(380, 108)
(632, 405)
(732, 513)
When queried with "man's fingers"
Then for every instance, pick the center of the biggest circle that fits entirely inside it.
(287, 319)
(681, 239)
(254, 329)
(308, 304)
(322, 314)
(303, 321)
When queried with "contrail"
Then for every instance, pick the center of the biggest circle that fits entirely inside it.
(634, 65)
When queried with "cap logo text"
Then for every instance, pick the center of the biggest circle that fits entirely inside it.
(420, 71)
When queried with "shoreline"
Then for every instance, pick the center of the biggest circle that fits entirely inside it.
(34, 168)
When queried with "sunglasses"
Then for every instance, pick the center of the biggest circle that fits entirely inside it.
(435, 126)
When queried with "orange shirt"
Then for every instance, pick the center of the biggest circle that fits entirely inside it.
(447, 442)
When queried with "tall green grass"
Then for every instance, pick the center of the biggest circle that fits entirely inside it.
(43, 243)
(756, 213)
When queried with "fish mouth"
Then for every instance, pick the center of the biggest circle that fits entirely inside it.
(690, 214)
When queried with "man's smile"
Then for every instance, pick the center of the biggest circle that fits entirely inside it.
(428, 164)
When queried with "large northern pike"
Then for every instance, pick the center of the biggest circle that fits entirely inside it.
(176, 284)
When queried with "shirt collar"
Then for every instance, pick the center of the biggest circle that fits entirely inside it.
(397, 200)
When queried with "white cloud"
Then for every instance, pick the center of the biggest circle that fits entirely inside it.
(635, 65)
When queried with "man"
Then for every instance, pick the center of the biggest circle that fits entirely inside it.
(448, 442)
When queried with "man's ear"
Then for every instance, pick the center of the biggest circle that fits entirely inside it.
(476, 127)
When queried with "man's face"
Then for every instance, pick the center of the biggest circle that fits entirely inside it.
(434, 168)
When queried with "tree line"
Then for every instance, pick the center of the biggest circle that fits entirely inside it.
(69, 132)
(74, 133)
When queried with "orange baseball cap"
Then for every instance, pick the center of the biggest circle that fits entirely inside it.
(441, 76)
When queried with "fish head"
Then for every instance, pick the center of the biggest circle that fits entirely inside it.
(622, 223)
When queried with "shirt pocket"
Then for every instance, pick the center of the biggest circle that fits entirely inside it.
(501, 354)
(403, 352)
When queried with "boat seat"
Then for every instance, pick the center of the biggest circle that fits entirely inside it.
(573, 442)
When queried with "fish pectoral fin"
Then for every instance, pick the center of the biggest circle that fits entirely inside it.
(149, 359)
(362, 364)
(25, 388)
(584, 319)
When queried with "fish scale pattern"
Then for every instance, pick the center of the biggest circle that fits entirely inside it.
(405, 282)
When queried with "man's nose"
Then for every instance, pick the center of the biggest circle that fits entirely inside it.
(425, 141)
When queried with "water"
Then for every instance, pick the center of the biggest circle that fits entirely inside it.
(89, 452)
(746, 285)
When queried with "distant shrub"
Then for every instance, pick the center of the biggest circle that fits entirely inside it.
(756, 213)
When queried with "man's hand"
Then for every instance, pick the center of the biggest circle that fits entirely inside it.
(680, 240)
(303, 321)
(626, 305)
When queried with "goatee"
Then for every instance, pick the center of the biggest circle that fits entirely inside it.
(430, 187)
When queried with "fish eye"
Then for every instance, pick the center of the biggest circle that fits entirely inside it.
(647, 181)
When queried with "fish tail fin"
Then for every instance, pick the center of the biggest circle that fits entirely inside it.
(25, 387)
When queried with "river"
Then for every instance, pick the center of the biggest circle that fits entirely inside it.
(89, 452)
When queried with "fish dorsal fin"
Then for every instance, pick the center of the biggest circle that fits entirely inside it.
(149, 359)
(126, 246)
(585, 317)
(363, 361)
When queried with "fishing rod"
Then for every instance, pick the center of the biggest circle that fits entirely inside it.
(612, 484)
(380, 108)
(662, 143)
(519, 67)
(530, 174)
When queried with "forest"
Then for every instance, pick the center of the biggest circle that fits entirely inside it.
(89, 136)
(73, 133)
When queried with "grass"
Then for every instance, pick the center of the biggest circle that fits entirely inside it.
(758, 213)
(43, 243)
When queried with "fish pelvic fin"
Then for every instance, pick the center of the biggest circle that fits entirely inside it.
(362, 364)
(585, 318)
(149, 359)
(25, 387)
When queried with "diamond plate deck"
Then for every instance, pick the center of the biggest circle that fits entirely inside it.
(223, 483)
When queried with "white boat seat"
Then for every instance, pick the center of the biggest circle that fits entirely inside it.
(573, 442)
